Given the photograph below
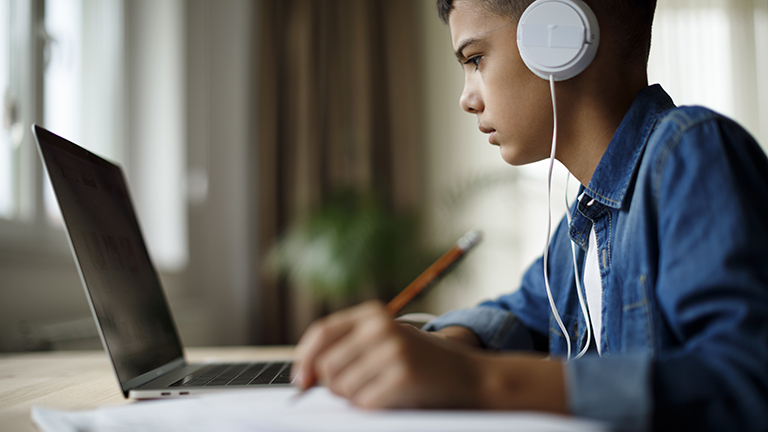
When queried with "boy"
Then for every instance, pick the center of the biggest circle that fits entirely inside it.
(671, 246)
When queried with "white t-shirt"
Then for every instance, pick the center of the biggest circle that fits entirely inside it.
(593, 286)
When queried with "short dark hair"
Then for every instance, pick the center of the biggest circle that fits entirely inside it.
(628, 21)
(506, 8)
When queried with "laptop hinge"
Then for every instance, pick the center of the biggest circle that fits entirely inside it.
(151, 375)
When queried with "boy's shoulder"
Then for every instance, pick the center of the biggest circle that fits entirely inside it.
(677, 121)
(695, 141)
(698, 127)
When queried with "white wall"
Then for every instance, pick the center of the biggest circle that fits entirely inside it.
(221, 139)
(155, 126)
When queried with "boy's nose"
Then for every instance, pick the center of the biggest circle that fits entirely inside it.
(470, 101)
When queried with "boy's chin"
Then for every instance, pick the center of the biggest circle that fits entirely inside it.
(516, 158)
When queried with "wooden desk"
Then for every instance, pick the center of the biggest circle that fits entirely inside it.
(82, 379)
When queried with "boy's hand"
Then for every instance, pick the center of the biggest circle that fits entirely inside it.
(362, 354)
(365, 356)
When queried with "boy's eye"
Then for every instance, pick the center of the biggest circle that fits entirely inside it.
(474, 60)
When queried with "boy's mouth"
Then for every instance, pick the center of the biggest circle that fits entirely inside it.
(485, 129)
(490, 131)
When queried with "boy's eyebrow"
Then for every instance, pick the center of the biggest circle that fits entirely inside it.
(464, 44)
(480, 38)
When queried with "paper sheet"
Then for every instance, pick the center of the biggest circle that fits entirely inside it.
(275, 410)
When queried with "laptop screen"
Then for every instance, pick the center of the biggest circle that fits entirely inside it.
(125, 293)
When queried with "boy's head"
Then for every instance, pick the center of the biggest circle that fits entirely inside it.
(628, 22)
(513, 104)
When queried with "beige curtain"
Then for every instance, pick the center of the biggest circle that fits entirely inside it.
(715, 53)
(337, 108)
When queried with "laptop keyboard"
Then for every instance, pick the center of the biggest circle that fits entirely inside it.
(238, 374)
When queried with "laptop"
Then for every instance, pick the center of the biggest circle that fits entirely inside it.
(122, 286)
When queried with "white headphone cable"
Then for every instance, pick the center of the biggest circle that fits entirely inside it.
(549, 219)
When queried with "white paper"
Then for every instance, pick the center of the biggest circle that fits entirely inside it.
(276, 410)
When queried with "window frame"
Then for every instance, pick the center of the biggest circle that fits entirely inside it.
(28, 234)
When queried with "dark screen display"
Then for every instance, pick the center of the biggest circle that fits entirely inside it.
(121, 281)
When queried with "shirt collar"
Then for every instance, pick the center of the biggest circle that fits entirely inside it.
(613, 174)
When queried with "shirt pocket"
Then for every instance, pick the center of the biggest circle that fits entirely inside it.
(637, 329)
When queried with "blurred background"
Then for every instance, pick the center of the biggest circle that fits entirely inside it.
(290, 157)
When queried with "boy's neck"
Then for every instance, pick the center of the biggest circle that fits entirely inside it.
(588, 116)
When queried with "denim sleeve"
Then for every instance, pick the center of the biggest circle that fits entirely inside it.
(616, 390)
(711, 186)
(496, 328)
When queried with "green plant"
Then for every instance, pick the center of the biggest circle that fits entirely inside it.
(348, 245)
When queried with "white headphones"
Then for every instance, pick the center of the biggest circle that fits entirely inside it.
(558, 38)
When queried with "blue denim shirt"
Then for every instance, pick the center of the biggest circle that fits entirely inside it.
(680, 212)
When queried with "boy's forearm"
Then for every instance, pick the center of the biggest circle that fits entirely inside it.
(521, 382)
(515, 381)
(461, 335)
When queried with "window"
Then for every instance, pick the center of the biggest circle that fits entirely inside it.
(103, 74)
(14, 85)
(60, 64)
(82, 98)
(6, 144)
(64, 65)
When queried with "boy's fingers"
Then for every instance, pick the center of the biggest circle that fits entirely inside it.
(302, 379)
(318, 338)
(343, 353)
(369, 332)
(323, 334)
(363, 372)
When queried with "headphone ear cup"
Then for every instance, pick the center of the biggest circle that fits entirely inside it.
(558, 37)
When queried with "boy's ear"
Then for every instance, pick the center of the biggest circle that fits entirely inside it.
(558, 38)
